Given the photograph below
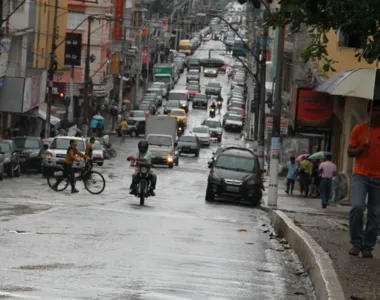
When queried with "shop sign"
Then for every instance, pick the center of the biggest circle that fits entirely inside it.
(314, 111)
(118, 25)
(34, 91)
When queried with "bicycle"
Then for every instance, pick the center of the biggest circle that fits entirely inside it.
(87, 175)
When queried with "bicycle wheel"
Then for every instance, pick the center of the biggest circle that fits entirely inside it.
(94, 183)
(112, 153)
(52, 180)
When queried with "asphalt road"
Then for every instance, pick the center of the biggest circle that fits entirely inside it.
(176, 247)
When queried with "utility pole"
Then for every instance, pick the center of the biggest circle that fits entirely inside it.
(147, 66)
(51, 71)
(138, 68)
(71, 104)
(121, 71)
(276, 132)
(86, 99)
(257, 97)
(263, 70)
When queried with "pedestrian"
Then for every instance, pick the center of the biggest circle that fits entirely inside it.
(327, 170)
(315, 179)
(305, 171)
(364, 147)
(292, 175)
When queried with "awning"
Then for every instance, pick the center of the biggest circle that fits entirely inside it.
(53, 120)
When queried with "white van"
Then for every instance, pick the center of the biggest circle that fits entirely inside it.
(182, 96)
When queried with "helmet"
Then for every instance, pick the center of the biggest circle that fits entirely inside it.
(213, 103)
(143, 146)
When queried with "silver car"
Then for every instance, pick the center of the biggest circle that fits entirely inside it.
(162, 86)
(56, 153)
(213, 88)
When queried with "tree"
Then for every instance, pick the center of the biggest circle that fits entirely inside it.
(360, 18)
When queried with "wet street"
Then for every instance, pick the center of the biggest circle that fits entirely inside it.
(176, 247)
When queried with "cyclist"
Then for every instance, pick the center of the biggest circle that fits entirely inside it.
(123, 127)
(68, 171)
(144, 156)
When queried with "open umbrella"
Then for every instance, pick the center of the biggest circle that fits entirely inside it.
(361, 83)
(98, 117)
(320, 155)
(299, 158)
(126, 101)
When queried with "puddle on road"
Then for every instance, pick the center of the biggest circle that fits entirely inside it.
(7, 209)
(46, 267)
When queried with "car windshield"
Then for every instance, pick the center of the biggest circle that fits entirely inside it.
(177, 96)
(236, 104)
(188, 139)
(200, 130)
(144, 106)
(234, 118)
(96, 146)
(163, 79)
(236, 163)
(27, 143)
(213, 84)
(192, 88)
(184, 47)
(172, 104)
(159, 140)
(64, 144)
(5, 147)
(212, 124)
(179, 113)
(193, 72)
(201, 96)
(136, 114)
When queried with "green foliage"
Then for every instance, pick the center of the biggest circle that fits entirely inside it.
(355, 17)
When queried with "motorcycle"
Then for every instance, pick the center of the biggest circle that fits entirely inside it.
(220, 105)
(143, 170)
(179, 131)
(212, 112)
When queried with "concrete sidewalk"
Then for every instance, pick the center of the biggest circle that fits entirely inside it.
(358, 277)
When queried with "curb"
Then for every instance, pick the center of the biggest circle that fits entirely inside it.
(313, 258)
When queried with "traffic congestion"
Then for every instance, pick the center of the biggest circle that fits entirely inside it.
(195, 235)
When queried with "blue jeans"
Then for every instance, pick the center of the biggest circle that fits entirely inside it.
(325, 189)
(361, 187)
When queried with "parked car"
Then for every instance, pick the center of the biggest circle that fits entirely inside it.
(32, 150)
(210, 72)
(137, 115)
(11, 158)
(146, 107)
(171, 104)
(162, 86)
(97, 153)
(213, 88)
(239, 82)
(189, 144)
(56, 153)
(193, 90)
(233, 123)
(236, 104)
(136, 127)
(237, 110)
(200, 100)
(158, 92)
(203, 133)
(231, 113)
(236, 171)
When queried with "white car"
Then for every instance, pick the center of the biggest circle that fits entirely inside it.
(203, 133)
(234, 123)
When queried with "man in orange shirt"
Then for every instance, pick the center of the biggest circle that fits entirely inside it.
(365, 147)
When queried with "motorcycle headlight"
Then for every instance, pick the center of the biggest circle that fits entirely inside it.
(144, 170)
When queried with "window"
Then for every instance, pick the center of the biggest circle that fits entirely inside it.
(74, 18)
(14, 4)
(4, 147)
(212, 84)
(172, 104)
(236, 163)
(27, 144)
(213, 124)
(159, 140)
(201, 130)
(188, 139)
(177, 96)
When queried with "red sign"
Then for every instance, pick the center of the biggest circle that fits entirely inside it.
(314, 111)
(118, 25)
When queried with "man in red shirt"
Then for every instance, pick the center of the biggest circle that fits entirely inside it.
(365, 147)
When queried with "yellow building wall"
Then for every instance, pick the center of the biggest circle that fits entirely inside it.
(44, 32)
(345, 57)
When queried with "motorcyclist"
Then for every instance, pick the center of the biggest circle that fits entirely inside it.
(180, 124)
(213, 106)
(144, 156)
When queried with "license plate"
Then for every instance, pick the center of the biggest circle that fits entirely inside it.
(58, 173)
(232, 189)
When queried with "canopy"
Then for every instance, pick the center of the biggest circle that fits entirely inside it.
(53, 120)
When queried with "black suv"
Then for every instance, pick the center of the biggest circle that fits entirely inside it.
(235, 171)
(189, 144)
(32, 150)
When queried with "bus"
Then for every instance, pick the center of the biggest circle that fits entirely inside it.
(185, 47)
(240, 48)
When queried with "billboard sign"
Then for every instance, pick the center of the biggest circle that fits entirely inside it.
(118, 25)
(314, 111)
(34, 91)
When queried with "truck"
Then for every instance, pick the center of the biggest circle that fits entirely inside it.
(165, 73)
(161, 135)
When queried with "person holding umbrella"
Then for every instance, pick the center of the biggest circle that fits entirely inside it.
(364, 146)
